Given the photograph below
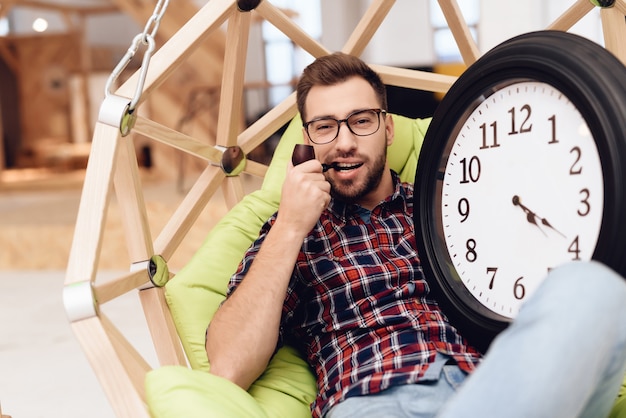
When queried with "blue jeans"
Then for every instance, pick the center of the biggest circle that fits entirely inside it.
(563, 356)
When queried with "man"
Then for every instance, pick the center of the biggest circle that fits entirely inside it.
(335, 273)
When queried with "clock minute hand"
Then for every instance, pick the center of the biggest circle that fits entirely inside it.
(532, 216)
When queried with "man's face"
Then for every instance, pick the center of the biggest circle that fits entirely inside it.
(362, 158)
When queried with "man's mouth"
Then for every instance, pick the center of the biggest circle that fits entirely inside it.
(341, 166)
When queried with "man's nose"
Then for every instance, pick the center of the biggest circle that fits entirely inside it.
(346, 140)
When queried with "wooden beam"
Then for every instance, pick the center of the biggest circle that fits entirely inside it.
(414, 79)
(177, 140)
(132, 205)
(614, 28)
(230, 117)
(162, 327)
(282, 22)
(462, 35)
(109, 368)
(111, 289)
(187, 213)
(367, 26)
(94, 204)
(571, 16)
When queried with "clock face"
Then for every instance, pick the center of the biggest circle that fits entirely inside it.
(521, 191)
(522, 169)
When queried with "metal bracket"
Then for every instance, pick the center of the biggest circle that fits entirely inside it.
(79, 301)
(233, 160)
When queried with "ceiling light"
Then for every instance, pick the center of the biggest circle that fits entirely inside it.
(40, 24)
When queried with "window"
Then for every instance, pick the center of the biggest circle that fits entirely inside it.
(284, 60)
(445, 46)
(4, 26)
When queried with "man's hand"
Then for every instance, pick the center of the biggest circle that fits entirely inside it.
(305, 195)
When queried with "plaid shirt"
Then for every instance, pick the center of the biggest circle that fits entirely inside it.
(357, 304)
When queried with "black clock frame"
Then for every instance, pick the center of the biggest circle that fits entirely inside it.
(594, 81)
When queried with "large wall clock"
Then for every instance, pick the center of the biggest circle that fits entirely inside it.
(523, 168)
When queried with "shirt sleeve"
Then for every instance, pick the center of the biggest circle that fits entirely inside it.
(249, 256)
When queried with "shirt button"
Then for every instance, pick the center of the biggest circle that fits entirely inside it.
(433, 317)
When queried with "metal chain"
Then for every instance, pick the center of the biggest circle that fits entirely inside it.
(155, 19)
(145, 38)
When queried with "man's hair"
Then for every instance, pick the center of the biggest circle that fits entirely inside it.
(335, 68)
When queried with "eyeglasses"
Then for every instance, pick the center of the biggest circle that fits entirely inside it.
(360, 123)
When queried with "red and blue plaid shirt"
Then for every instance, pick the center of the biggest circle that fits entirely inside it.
(358, 305)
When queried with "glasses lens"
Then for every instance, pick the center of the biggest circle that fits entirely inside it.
(322, 130)
(364, 123)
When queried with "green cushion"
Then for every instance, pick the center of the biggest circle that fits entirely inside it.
(176, 391)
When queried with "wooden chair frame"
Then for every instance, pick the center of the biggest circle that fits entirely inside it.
(112, 168)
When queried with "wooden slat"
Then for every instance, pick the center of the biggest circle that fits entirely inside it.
(111, 289)
(571, 16)
(162, 328)
(614, 27)
(268, 124)
(282, 22)
(233, 190)
(94, 203)
(177, 140)
(255, 169)
(186, 214)
(132, 204)
(367, 27)
(134, 364)
(413, 79)
(117, 384)
(231, 117)
(462, 35)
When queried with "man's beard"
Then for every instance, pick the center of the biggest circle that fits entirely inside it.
(348, 191)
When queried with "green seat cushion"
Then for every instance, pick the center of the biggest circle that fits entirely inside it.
(285, 390)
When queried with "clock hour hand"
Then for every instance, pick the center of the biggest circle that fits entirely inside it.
(532, 217)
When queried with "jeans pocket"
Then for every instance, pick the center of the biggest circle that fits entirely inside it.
(454, 375)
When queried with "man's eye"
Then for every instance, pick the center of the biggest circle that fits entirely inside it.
(322, 126)
(361, 121)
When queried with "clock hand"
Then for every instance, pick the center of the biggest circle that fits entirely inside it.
(532, 216)
(546, 223)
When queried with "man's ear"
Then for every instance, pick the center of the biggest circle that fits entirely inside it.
(389, 128)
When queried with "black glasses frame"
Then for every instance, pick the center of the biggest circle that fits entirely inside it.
(340, 121)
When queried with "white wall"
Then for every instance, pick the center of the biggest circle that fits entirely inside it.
(501, 20)
(403, 39)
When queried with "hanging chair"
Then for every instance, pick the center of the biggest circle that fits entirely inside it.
(178, 306)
